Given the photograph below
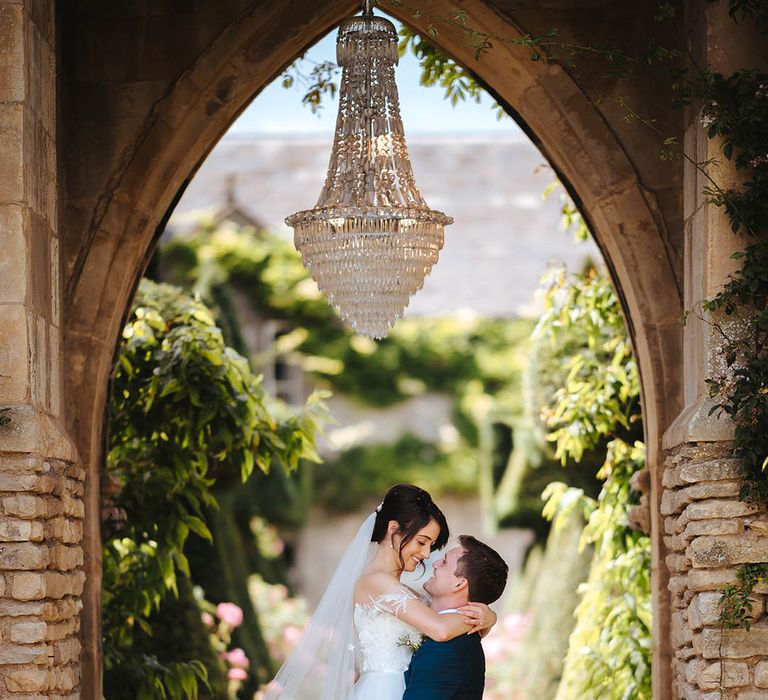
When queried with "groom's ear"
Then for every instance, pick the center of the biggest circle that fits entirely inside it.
(461, 584)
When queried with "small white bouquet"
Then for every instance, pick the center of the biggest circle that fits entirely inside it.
(413, 640)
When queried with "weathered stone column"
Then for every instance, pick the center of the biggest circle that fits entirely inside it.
(708, 530)
(41, 508)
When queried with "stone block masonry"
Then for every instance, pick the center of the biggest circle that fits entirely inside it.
(709, 533)
(41, 522)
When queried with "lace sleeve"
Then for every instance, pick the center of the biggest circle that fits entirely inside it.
(395, 602)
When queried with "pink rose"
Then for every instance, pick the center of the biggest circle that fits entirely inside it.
(236, 674)
(230, 613)
(237, 658)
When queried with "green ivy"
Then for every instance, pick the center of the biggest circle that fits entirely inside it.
(736, 112)
(437, 69)
(186, 413)
(738, 115)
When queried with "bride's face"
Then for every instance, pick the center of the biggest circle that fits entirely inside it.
(420, 547)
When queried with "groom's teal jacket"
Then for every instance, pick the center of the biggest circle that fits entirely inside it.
(453, 670)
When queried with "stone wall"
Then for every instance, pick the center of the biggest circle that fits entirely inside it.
(41, 488)
(710, 532)
(40, 528)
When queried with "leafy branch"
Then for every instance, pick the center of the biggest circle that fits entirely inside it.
(319, 82)
(736, 605)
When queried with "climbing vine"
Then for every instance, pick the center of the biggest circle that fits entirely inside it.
(736, 113)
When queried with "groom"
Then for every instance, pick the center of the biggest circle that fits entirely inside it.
(455, 670)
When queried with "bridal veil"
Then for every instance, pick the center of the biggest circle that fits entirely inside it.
(322, 666)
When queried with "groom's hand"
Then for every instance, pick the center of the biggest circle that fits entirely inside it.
(478, 616)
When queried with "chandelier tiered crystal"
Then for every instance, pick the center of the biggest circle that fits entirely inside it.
(371, 239)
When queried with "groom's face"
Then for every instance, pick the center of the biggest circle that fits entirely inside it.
(444, 580)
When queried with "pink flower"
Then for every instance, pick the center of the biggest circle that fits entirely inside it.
(230, 613)
(207, 619)
(236, 674)
(237, 658)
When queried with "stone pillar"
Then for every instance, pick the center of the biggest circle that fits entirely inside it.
(41, 506)
(708, 530)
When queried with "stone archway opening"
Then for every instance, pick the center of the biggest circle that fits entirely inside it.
(155, 141)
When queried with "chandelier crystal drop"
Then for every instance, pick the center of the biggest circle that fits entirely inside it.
(371, 239)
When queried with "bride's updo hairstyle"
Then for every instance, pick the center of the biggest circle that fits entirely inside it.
(412, 508)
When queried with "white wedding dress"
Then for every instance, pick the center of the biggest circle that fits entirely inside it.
(384, 646)
(344, 639)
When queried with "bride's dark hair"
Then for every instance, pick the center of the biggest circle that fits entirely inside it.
(412, 508)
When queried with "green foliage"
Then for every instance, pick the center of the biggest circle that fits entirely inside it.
(532, 467)
(594, 403)
(477, 361)
(594, 375)
(437, 69)
(364, 473)
(161, 660)
(571, 219)
(609, 656)
(746, 10)
(736, 115)
(186, 413)
(318, 82)
(443, 355)
(736, 604)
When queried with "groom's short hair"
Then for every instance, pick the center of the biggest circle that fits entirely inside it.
(485, 571)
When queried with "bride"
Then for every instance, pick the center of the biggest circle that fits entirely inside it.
(360, 640)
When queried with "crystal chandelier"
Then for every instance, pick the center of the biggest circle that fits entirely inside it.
(371, 239)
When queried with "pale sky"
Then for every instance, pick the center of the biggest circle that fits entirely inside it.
(278, 110)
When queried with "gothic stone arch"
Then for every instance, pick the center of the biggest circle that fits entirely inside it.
(146, 90)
